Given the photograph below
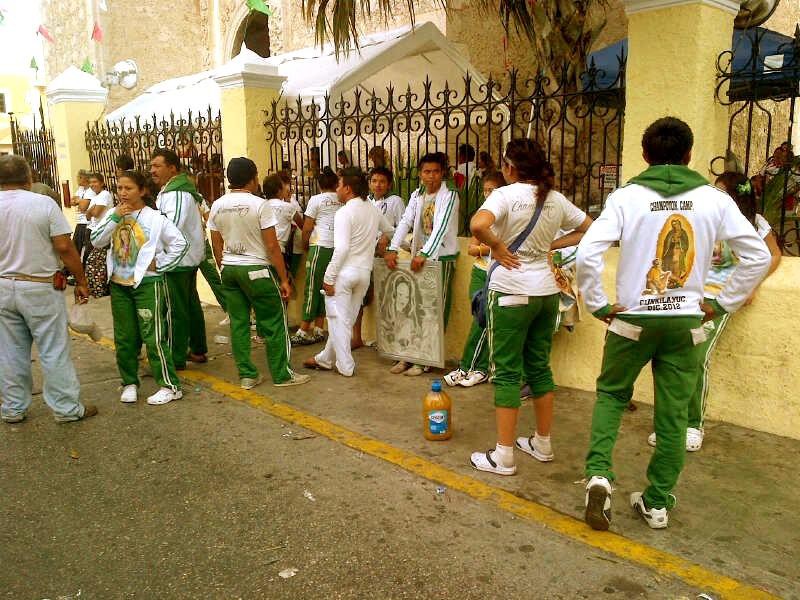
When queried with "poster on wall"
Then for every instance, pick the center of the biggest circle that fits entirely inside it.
(409, 313)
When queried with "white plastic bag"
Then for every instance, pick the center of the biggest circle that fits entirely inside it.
(80, 321)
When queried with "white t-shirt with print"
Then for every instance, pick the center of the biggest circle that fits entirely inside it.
(284, 213)
(86, 194)
(102, 199)
(513, 206)
(322, 208)
(239, 217)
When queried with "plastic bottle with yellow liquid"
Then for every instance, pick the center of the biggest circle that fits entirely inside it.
(437, 412)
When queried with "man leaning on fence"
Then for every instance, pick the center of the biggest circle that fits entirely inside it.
(182, 204)
(34, 241)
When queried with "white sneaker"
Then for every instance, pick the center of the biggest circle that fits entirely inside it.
(598, 503)
(483, 461)
(473, 378)
(163, 396)
(454, 377)
(248, 383)
(528, 446)
(656, 518)
(694, 439)
(295, 380)
(130, 394)
(226, 321)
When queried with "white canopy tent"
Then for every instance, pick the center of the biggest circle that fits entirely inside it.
(400, 57)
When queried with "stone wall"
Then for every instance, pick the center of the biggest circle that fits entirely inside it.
(165, 39)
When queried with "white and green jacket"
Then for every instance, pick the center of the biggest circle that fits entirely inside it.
(164, 242)
(443, 241)
(181, 204)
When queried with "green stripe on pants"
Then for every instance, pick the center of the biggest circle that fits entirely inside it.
(699, 400)
(667, 342)
(209, 270)
(520, 338)
(140, 316)
(319, 257)
(476, 349)
(448, 272)
(262, 295)
(187, 322)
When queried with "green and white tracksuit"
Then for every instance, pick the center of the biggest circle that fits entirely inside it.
(139, 298)
(180, 202)
(322, 208)
(723, 263)
(523, 302)
(249, 282)
(475, 356)
(433, 221)
(666, 220)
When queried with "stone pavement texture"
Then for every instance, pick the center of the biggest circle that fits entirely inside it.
(208, 497)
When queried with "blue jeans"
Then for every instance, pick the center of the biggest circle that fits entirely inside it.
(35, 312)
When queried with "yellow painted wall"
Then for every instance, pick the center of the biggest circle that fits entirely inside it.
(243, 132)
(68, 121)
(755, 373)
(16, 88)
(671, 70)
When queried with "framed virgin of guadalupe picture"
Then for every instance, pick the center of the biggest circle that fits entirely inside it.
(410, 313)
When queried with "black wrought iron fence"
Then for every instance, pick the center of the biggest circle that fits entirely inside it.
(759, 83)
(196, 138)
(581, 130)
(39, 149)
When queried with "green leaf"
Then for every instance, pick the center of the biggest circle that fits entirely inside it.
(33, 64)
(260, 6)
(87, 66)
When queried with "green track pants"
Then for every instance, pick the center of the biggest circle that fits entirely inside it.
(475, 356)
(140, 316)
(209, 270)
(697, 405)
(666, 342)
(187, 323)
(256, 287)
(319, 257)
(520, 332)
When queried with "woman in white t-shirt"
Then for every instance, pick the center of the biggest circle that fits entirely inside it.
(94, 260)
(522, 303)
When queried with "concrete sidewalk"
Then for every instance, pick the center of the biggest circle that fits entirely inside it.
(198, 497)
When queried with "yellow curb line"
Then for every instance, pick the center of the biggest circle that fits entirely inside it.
(659, 561)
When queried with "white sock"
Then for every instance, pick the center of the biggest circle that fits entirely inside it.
(542, 442)
(503, 455)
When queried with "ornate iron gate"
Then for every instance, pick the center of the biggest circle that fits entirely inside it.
(581, 130)
(39, 149)
(197, 139)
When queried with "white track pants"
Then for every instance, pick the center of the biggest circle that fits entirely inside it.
(342, 310)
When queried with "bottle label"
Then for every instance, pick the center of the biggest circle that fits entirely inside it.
(437, 422)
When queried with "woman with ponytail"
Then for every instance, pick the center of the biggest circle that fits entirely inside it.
(522, 299)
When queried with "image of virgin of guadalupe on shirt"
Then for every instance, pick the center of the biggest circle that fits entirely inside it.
(126, 242)
(674, 259)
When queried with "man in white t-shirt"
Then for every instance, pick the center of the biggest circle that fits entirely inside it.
(356, 228)
(34, 242)
(666, 220)
(254, 275)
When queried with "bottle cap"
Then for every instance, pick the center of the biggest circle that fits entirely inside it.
(436, 386)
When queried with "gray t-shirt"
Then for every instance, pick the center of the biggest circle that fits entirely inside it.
(28, 222)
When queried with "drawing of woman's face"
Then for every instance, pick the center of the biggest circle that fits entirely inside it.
(125, 236)
(403, 296)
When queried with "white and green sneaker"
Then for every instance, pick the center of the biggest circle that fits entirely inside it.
(656, 518)
(598, 503)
